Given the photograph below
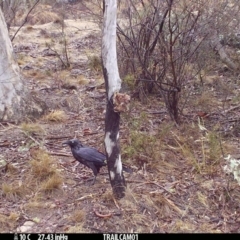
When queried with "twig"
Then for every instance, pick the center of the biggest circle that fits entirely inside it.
(25, 20)
(58, 56)
(230, 120)
(10, 126)
(157, 112)
(84, 197)
(230, 109)
(176, 208)
(59, 154)
(7, 122)
(27, 135)
(115, 201)
(156, 185)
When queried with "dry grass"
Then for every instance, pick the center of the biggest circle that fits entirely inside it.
(215, 151)
(202, 199)
(42, 165)
(29, 28)
(7, 222)
(32, 128)
(183, 227)
(11, 169)
(34, 204)
(78, 216)
(51, 183)
(205, 102)
(82, 80)
(40, 206)
(56, 116)
(70, 83)
(95, 63)
(42, 14)
(107, 196)
(77, 228)
(44, 172)
(38, 75)
(14, 216)
(13, 190)
(21, 59)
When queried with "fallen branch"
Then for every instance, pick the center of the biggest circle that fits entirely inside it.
(230, 109)
(230, 120)
(59, 154)
(85, 197)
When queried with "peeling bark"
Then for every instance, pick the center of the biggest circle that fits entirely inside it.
(16, 103)
(113, 86)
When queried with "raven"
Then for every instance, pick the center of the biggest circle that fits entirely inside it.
(88, 156)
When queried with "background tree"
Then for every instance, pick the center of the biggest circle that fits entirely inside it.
(165, 45)
(16, 103)
(116, 102)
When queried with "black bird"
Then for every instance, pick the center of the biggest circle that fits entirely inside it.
(88, 156)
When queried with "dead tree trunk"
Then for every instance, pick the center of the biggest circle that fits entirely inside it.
(15, 101)
(114, 98)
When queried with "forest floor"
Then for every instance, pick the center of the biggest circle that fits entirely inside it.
(178, 182)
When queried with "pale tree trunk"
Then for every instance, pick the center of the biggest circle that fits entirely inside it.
(116, 102)
(15, 103)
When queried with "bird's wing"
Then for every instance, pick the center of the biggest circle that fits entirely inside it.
(90, 154)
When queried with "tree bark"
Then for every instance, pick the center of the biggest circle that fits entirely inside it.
(113, 86)
(16, 103)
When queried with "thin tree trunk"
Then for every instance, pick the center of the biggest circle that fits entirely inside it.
(113, 86)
